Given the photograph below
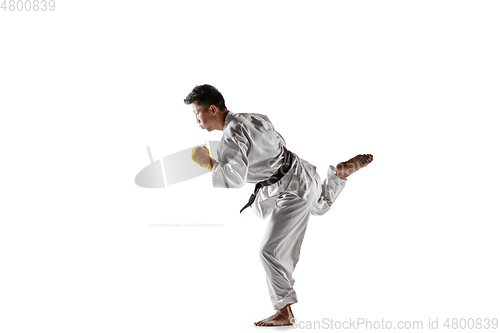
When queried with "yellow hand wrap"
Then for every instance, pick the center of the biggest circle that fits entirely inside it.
(201, 155)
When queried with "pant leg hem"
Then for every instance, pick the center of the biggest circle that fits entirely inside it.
(284, 302)
(332, 173)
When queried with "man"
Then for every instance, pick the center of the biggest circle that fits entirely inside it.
(288, 187)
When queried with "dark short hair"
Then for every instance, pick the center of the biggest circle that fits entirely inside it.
(206, 95)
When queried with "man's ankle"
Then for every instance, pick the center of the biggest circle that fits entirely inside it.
(341, 175)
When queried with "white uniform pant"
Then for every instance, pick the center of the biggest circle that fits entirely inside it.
(280, 248)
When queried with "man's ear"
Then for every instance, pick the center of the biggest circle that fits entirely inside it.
(212, 108)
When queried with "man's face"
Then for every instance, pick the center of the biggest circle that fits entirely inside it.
(203, 117)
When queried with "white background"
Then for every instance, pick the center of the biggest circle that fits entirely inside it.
(85, 88)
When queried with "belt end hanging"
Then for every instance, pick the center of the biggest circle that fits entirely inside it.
(250, 202)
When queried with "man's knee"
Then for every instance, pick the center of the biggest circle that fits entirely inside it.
(265, 252)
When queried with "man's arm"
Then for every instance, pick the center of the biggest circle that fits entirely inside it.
(232, 168)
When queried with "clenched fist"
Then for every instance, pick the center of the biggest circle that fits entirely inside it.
(201, 155)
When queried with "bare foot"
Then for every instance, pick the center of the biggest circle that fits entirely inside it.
(347, 168)
(282, 317)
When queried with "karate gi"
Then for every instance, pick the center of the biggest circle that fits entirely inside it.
(251, 151)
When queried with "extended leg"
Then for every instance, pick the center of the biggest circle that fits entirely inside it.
(336, 180)
(330, 190)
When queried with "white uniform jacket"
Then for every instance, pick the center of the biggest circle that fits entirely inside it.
(251, 151)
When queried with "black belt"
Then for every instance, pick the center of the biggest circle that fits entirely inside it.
(274, 178)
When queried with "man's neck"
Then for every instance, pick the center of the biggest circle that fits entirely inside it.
(222, 121)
